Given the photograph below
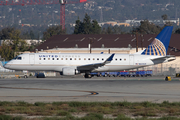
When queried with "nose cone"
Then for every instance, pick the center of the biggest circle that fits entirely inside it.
(7, 66)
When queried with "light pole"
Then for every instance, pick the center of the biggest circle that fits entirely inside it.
(90, 43)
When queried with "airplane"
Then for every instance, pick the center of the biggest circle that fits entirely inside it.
(76, 63)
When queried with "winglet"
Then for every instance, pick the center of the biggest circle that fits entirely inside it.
(108, 60)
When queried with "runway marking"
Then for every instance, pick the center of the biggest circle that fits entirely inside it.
(94, 93)
(91, 92)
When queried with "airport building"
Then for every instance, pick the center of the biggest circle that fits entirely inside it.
(122, 43)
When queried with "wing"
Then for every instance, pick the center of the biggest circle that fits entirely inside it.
(90, 67)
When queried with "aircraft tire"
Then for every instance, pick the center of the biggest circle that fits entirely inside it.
(25, 76)
(87, 76)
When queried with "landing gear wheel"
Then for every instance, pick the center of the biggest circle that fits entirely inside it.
(87, 76)
(25, 76)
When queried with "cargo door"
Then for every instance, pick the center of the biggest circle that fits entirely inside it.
(31, 59)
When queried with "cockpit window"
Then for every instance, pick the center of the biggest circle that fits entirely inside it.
(19, 58)
(15, 58)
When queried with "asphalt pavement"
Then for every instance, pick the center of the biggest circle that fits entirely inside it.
(154, 89)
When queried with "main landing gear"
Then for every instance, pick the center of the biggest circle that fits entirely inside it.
(87, 75)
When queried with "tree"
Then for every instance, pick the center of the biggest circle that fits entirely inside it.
(13, 46)
(103, 31)
(32, 35)
(87, 27)
(117, 29)
(6, 52)
(5, 33)
(77, 28)
(25, 35)
(53, 30)
(147, 28)
(109, 30)
(164, 17)
(96, 29)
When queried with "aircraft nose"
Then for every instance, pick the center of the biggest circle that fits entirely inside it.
(6, 66)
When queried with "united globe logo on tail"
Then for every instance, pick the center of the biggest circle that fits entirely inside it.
(160, 44)
(155, 48)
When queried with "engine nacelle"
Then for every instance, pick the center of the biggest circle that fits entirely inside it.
(69, 71)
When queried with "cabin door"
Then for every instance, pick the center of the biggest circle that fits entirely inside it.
(31, 59)
(131, 59)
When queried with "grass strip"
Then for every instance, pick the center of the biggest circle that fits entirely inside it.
(92, 109)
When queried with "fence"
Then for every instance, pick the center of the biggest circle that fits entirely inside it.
(163, 69)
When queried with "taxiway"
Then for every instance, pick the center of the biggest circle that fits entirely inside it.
(96, 89)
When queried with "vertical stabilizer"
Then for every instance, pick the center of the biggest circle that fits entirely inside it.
(160, 44)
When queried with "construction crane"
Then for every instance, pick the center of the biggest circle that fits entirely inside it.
(62, 9)
(44, 2)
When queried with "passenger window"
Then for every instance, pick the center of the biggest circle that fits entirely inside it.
(48, 58)
(120, 59)
(116, 59)
(57, 58)
(79, 58)
(89, 59)
(124, 59)
(39, 58)
(74, 58)
(84, 58)
(102, 59)
(44, 58)
(70, 58)
(52, 58)
(93, 58)
(66, 59)
(97, 58)
(61, 58)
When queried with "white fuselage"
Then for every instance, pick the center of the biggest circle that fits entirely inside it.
(58, 61)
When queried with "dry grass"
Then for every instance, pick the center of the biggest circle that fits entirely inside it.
(116, 109)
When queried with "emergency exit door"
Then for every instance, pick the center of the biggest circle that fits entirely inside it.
(131, 59)
(31, 59)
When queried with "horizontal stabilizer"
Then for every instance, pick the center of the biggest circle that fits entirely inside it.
(163, 59)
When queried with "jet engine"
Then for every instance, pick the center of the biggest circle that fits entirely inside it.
(69, 71)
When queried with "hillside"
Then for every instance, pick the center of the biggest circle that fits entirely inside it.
(118, 10)
(40, 16)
